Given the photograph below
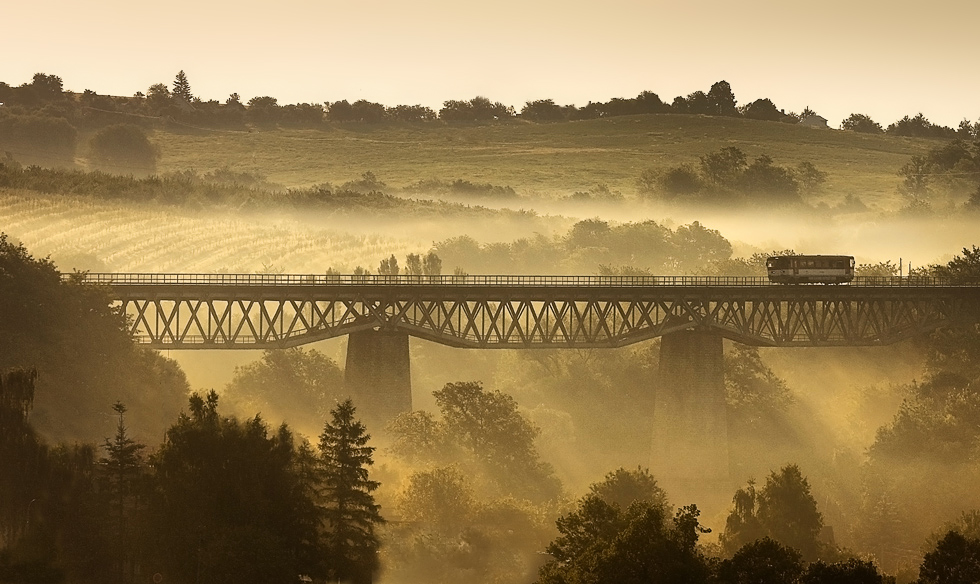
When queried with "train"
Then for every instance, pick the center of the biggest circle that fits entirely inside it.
(810, 269)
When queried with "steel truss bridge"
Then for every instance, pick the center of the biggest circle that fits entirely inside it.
(258, 311)
(693, 315)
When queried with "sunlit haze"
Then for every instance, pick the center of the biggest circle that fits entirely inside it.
(883, 59)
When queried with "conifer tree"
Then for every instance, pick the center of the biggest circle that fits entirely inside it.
(350, 513)
(123, 464)
(182, 87)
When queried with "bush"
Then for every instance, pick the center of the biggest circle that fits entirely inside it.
(123, 149)
(38, 138)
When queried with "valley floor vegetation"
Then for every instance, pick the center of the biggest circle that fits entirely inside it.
(478, 490)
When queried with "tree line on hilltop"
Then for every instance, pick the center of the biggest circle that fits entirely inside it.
(45, 97)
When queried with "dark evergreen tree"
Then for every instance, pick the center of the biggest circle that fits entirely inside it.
(228, 502)
(349, 511)
(182, 87)
(122, 473)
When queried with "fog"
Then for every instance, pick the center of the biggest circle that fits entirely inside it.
(593, 409)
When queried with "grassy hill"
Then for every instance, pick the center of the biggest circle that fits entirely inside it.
(545, 159)
(541, 162)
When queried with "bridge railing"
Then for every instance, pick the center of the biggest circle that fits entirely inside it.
(236, 280)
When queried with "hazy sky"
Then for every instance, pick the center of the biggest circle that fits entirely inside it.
(883, 58)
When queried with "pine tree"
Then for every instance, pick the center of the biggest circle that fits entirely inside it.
(123, 464)
(182, 87)
(350, 513)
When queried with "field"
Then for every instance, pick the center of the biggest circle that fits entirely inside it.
(98, 236)
(542, 158)
(542, 163)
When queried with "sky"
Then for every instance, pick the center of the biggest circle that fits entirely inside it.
(886, 59)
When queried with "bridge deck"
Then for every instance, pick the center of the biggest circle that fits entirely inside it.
(488, 281)
(278, 310)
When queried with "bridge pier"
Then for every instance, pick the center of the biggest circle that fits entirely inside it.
(689, 454)
(378, 375)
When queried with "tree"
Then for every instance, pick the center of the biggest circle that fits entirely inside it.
(47, 87)
(263, 110)
(182, 87)
(647, 102)
(477, 109)
(763, 109)
(543, 110)
(410, 113)
(850, 571)
(756, 397)
(962, 268)
(441, 498)
(158, 96)
(389, 266)
(350, 514)
(589, 233)
(679, 181)
(695, 246)
(20, 450)
(764, 561)
(954, 560)
(808, 177)
(123, 149)
(599, 543)
(413, 264)
(623, 487)
(72, 333)
(228, 503)
(725, 167)
(915, 177)
(783, 510)
(431, 264)
(39, 138)
(789, 512)
(122, 467)
(490, 427)
(764, 181)
(297, 385)
(722, 99)
(861, 123)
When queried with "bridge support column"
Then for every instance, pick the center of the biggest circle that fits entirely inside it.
(689, 455)
(378, 375)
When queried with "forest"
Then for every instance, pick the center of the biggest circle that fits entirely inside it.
(124, 464)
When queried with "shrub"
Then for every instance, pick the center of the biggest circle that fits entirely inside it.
(123, 149)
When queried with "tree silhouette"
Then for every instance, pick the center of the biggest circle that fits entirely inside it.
(955, 560)
(182, 87)
(783, 510)
(122, 466)
(350, 513)
(229, 503)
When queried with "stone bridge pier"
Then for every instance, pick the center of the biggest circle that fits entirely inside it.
(689, 452)
(378, 375)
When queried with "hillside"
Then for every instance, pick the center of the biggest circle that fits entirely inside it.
(535, 166)
(558, 158)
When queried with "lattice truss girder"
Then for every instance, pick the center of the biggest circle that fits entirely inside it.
(256, 322)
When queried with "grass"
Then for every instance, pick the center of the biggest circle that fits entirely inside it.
(542, 158)
(547, 160)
